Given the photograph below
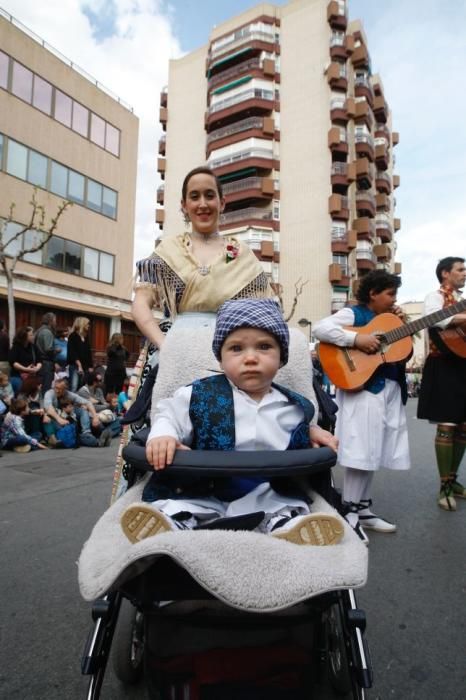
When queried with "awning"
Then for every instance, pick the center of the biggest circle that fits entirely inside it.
(246, 49)
(68, 304)
(229, 86)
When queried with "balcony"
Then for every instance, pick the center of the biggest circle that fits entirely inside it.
(382, 202)
(161, 166)
(163, 117)
(337, 14)
(262, 127)
(160, 194)
(382, 252)
(251, 216)
(365, 204)
(336, 304)
(164, 97)
(260, 158)
(364, 173)
(397, 268)
(364, 146)
(382, 131)
(363, 113)
(337, 141)
(363, 88)
(360, 57)
(249, 188)
(395, 138)
(159, 217)
(258, 40)
(380, 109)
(337, 76)
(383, 182)
(381, 154)
(162, 143)
(364, 227)
(383, 228)
(397, 224)
(335, 273)
(251, 101)
(253, 66)
(365, 260)
(341, 45)
(343, 241)
(338, 109)
(342, 174)
(338, 207)
(396, 181)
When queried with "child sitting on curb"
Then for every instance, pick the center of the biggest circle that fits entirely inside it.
(12, 433)
(241, 409)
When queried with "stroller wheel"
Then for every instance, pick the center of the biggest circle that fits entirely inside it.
(338, 670)
(128, 644)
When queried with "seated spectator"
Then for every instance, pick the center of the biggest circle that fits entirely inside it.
(123, 398)
(22, 357)
(85, 414)
(6, 390)
(31, 391)
(109, 417)
(12, 433)
(92, 391)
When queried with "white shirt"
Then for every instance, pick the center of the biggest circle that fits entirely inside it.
(330, 329)
(434, 302)
(263, 425)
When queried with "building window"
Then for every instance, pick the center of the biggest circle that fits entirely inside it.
(55, 254)
(106, 268)
(21, 84)
(33, 167)
(33, 89)
(72, 258)
(31, 239)
(91, 263)
(42, 95)
(342, 260)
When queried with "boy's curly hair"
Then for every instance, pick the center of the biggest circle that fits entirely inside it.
(376, 281)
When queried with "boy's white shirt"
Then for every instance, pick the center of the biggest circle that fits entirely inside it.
(331, 330)
(264, 425)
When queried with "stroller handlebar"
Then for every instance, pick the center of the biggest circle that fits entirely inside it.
(222, 463)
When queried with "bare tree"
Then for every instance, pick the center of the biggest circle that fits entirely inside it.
(298, 289)
(9, 259)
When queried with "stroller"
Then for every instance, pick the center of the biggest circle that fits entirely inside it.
(220, 614)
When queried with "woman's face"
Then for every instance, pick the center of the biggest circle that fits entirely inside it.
(203, 205)
(30, 337)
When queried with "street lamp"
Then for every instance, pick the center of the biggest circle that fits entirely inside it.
(303, 322)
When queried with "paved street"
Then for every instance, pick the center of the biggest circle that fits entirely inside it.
(415, 599)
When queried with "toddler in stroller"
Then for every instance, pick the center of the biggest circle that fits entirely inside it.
(252, 574)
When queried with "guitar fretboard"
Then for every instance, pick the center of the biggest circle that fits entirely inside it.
(424, 322)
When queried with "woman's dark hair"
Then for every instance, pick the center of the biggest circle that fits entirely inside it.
(30, 386)
(445, 265)
(17, 405)
(201, 170)
(376, 281)
(21, 335)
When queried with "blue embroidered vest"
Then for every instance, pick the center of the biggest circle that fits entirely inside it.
(212, 415)
(392, 370)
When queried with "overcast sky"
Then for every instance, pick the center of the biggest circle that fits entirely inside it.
(417, 46)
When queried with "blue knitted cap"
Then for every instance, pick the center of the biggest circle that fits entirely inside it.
(251, 313)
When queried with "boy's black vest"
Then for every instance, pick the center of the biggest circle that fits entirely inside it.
(212, 415)
(392, 370)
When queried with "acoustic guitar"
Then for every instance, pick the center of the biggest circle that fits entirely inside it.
(349, 368)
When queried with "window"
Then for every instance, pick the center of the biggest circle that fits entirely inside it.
(97, 130)
(76, 187)
(342, 260)
(1, 151)
(112, 140)
(63, 106)
(276, 210)
(3, 70)
(21, 84)
(13, 247)
(109, 202)
(55, 253)
(94, 195)
(42, 95)
(37, 171)
(91, 263)
(31, 239)
(73, 258)
(17, 159)
(58, 179)
(106, 268)
(80, 121)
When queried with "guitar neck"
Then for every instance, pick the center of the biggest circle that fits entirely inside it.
(424, 322)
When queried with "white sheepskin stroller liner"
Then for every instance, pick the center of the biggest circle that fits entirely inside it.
(245, 570)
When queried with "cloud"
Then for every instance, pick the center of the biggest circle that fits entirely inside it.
(126, 46)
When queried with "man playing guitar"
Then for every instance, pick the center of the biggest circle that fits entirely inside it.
(371, 422)
(442, 397)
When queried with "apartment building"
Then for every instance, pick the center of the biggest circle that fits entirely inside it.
(63, 133)
(283, 105)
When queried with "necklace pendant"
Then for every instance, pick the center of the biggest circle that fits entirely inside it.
(203, 270)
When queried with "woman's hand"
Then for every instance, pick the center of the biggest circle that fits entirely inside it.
(161, 450)
(322, 438)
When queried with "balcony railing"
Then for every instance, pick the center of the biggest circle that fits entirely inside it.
(246, 38)
(337, 39)
(365, 197)
(337, 304)
(339, 235)
(222, 77)
(338, 103)
(241, 155)
(248, 183)
(235, 128)
(254, 93)
(364, 138)
(366, 255)
(248, 213)
(362, 80)
(380, 175)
